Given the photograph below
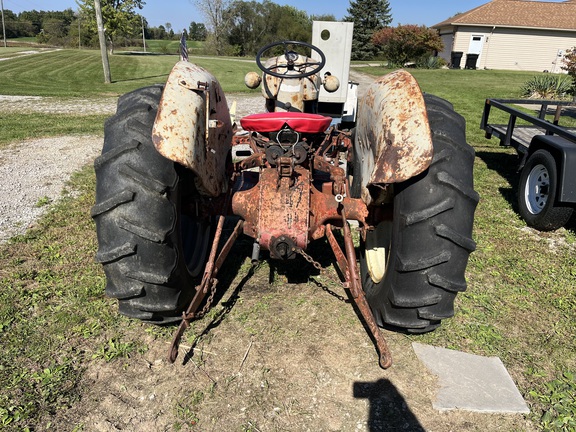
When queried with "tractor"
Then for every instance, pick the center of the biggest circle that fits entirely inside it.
(319, 162)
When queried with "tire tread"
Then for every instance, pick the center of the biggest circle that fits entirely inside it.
(432, 234)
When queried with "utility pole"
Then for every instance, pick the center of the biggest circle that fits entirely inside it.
(102, 38)
(3, 26)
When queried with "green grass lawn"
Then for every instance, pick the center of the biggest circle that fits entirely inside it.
(520, 304)
(78, 73)
(40, 125)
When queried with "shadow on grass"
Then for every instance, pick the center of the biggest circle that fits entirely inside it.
(165, 76)
(506, 165)
(388, 410)
(142, 53)
(298, 270)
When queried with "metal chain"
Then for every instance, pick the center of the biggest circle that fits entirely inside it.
(208, 305)
(308, 258)
(318, 267)
(210, 300)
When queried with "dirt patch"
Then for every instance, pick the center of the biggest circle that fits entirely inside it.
(276, 357)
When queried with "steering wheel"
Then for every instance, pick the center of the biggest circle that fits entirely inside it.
(291, 57)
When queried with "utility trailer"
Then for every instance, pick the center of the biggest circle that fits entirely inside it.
(547, 151)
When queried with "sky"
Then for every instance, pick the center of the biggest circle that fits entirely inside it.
(179, 13)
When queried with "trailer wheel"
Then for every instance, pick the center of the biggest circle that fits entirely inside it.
(413, 265)
(537, 193)
(151, 250)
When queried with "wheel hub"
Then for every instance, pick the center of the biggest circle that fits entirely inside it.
(537, 189)
(378, 250)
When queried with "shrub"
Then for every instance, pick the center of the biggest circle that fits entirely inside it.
(549, 86)
(407, 42)
(430, 62)
(570, 66)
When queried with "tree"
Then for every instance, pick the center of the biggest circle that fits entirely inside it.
(249, 25)
(169, 30)
(11, 24)
(120, 19)
(254, 24)
(197, 31)
(217, 22)
(368, 17)
(407, 42)
(323, 17)
(291, 24)
(33, 20)
(55, 26)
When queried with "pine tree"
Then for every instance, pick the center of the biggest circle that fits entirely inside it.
(368, 17)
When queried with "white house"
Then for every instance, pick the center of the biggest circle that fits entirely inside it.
(522, 35)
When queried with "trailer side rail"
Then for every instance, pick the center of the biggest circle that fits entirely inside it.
(506, 135)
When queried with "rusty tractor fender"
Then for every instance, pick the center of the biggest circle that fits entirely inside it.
(393, 139)
(193, 126)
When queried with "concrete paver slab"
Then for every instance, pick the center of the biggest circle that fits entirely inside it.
(471, 382)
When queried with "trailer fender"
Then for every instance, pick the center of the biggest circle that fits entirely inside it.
(393, 139)
(564, 152)
(193, 126)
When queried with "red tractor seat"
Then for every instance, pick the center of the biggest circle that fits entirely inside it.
(274, 121)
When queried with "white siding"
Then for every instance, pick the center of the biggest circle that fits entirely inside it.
(447, 39)
(516, 49)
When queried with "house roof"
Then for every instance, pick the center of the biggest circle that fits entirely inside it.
(518, 13)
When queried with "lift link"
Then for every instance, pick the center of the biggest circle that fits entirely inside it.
(349, 269)
(209, 282)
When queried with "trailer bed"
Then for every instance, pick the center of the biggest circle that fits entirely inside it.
(520, 136)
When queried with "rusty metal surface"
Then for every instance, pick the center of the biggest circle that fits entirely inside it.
(393, 139)
(193, 126)
(337, 250)
(276, 207)
(349, 268)
(209, 281)
(325, 209)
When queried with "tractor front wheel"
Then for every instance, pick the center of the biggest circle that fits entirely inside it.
(152, 242)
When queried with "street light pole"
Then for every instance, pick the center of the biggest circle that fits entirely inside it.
(102, 38)
(143, 36)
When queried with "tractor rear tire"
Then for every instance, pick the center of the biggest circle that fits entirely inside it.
(413, 266)
(152, 253)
